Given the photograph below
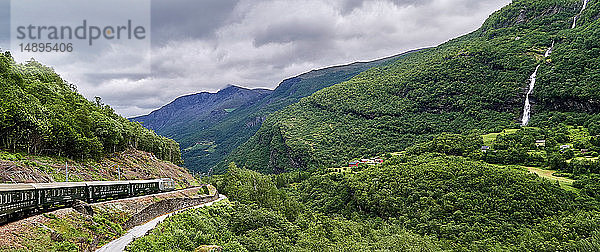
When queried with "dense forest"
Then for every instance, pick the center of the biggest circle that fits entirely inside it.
(42, 114)
(426, 202)
(475, 82)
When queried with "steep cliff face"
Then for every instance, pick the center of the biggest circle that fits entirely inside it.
(475, 82)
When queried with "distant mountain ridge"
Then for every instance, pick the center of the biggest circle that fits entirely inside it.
(200, 106)
(211, 125)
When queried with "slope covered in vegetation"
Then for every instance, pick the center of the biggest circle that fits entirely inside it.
(475, 82)
(427, 202)
(201, 109)
(42, 114)
(126, 165)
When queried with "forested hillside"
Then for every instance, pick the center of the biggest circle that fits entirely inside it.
(42, 114)
(209, 126)
(426, 202)
(475, 82)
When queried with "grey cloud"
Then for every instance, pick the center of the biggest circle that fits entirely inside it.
(350, 5)
(202, 45)
(293, 31)
(188, 19)
(4, 24)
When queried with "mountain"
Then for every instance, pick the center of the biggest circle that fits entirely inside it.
(202, 109)
(475, 82)
(209, 126)
(42, 114)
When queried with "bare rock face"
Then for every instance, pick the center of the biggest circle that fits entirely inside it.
(83, 208)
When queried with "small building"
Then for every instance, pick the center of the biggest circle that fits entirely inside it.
(353, 164)
(485, 148)
(584, 151)
(564, 147)
(540, 143)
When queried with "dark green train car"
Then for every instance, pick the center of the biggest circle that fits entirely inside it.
(101, 190)
(56, 194)
(144, 187)
(16, 200)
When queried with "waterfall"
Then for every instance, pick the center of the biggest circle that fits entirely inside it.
(532, 78)
(549, 51)
(585, 2)
(527, 108)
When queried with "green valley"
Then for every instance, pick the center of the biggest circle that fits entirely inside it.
(487, 142)
(228, 118)
(460, 173)
(474, 82)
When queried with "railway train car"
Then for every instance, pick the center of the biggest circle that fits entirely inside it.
(17, 200)
(142, 187)
(55, 194)
(166, 184)
(100, 190)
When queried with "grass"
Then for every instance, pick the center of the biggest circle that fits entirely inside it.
(488, 139)
(565, 183)
(74, 232)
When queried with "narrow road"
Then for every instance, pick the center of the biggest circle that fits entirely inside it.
(139, 231)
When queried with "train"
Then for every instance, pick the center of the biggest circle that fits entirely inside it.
(18, 200)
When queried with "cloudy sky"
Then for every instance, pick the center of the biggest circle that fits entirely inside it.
(204, 45)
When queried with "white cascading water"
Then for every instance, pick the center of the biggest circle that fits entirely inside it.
(585, 2)
(549, 51)
(532, 78)
(527, 109)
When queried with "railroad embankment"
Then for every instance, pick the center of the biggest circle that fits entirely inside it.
(88, 227)
(126, 165)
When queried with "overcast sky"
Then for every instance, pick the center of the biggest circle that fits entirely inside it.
(204, 45)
